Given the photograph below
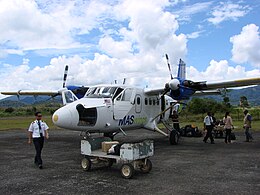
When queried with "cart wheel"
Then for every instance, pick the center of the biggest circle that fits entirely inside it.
(146, 168)
(86, 164)
(174, 138)
(127, 171)
(109, 162)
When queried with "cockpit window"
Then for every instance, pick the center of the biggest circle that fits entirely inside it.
(103, 92)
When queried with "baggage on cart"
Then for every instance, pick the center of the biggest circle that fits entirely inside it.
(131, 156)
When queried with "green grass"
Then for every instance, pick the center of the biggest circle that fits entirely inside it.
(22, 123)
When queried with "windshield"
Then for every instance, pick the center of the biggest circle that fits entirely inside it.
(103, 92)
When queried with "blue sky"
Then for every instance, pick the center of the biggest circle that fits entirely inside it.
(103, 41)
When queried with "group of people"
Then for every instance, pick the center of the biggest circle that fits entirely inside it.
(38, 131)
(210, 121)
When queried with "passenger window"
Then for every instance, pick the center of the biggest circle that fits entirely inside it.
(138, 100)
(145, 101)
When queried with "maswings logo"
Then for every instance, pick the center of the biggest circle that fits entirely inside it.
(127, 120)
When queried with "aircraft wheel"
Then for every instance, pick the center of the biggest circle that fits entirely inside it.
(146, 168)
(127, 171)
(86, 164)
(174, 138)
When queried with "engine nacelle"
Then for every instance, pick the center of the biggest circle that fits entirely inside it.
(174, 84)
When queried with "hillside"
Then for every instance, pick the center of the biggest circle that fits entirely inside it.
(13, 101)
(251, 93)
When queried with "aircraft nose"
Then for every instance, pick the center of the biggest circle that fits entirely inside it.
(62, 118)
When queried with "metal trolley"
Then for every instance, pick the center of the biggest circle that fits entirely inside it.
(133, 156)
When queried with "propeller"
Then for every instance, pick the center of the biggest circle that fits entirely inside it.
(174, 83)
(65, 76)
(169, 66)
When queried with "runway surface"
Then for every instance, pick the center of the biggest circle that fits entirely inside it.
(192, 167)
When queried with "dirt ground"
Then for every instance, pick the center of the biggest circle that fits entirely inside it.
(192, 167)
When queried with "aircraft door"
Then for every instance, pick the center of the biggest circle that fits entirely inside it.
(124, 103)
(138, 103)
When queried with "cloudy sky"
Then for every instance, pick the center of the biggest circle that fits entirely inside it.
(103, 41)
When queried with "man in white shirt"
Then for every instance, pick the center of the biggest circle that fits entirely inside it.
(208, 125)
(38, 130)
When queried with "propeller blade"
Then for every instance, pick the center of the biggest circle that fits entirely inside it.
(169, 66)
(65, 76)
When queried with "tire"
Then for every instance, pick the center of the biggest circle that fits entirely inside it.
(86, 164)
(146, 168)
(174, 138)
(127, 171)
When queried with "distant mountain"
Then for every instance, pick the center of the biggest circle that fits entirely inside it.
(251, 93)
(13, 101)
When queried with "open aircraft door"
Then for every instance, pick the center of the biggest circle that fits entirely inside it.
(124, 103)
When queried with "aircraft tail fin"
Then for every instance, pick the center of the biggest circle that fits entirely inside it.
(182, 70)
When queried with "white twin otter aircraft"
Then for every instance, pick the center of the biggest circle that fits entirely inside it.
(111, 109)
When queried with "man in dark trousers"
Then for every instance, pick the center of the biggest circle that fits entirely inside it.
(38, 130)
(247, 126)
(208, 125)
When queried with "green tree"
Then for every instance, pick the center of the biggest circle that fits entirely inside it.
(243, 102)
(9, 110)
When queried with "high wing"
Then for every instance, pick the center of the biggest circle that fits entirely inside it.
(197, 93)
(34, 93)
(230, 84)
(203, 88)
(70, 93)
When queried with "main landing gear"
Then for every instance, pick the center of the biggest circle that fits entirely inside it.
(174, 137)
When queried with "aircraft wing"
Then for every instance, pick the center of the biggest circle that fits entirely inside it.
(154, 91)
(207, 92)
(34, 93)
(211, 88)
(230, 84)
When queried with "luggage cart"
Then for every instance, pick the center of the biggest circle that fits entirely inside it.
(133, 156)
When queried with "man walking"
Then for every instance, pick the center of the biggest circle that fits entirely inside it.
(37, 131)
(247, 125)
(208, 125)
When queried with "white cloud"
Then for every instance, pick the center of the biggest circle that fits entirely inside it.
(194, 35)
(118, 49)
(228, 11)
(31, 25)
(220, 71)
(186, 12)
(246, 46)
(133, 47)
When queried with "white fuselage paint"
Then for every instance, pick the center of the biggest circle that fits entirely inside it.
(110, 115)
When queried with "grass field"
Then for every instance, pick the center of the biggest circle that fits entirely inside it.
(23, 123)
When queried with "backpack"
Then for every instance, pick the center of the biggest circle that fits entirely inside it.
(249, 117)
